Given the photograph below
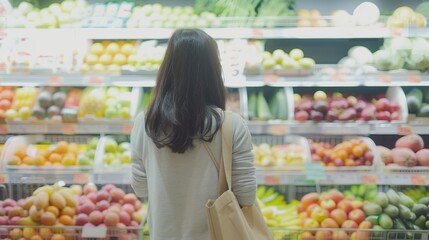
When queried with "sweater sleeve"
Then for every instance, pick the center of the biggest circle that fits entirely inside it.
(138, 171)
(243, 169)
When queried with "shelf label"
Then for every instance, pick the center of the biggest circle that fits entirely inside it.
(94, 232)
(126, 128)
(369, 179)
(385, 78)
(314, 171)
(270, 78)
(405, 129)
(418, 180)
(68, 129)
(81, 178)
(272, 180)
(3, 178)
(55, 80)
(279, 130)
(414, 78)
(338, 77)
(257, 33)
(95, 80)
(4, 129)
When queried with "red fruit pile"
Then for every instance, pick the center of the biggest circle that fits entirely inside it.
(349, 153)
(331, 210)
(338, 107)
(408, 152)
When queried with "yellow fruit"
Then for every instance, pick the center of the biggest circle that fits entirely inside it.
(69, 211)
(74, 148)
(45, 233)
(27, 221)
(39, 160)
(35, 213)
(97, 48)
(15, 160)
(127, 49)
(53, 210)
(91, 59)
(106, 59)
(120, 59)
(113, 48)
(69, 160)
(61, 147)
(28, 203)
(47, 189)
(41, 201)
(113, 68)
(28, 160)
(57, 200)
(28, 232)
(70, 201)
(55, 158)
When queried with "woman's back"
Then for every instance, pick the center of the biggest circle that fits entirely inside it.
(179, 185)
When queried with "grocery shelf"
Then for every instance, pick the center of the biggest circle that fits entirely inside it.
(222, 33)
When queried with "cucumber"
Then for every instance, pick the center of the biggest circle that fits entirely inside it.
(283, 111)
(274, 107)
(404, 212)
(262, 108)
(393, 197)
(252, 105)
(405, 200)
(420, 209)
(399, 224)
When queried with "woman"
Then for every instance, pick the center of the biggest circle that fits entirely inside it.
(171, 164)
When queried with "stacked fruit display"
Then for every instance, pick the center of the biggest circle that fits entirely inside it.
(50, 103)
(332, 210)
(362, 193)
(108, 56)
(311, 18)
(416, 193)
(116, 154)
(349, 153)
(56, 15)
(276, 212)
(280, 60)
(118, 103)
(405, 17)
(288, 155)
(158, 16)
(23, 101)
(6, 99)
(395, 210)
(110, 206)
(408, 152)
(259, 109)
(327, 107)
(418, 102)
(97, 103)
(59, 154)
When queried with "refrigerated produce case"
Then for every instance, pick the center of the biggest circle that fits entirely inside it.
(302, 79)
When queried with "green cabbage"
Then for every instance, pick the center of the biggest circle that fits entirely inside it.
(385, 60)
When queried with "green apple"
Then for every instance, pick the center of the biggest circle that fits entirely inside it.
(93, 143)
(268, 63)
(24, 113)
(111, 146)
(124, 113)
(289, 63)
(126, 157)
(90, 153)
(296, 54)
(125, 146)
(267, 55)
(25, 8)
(84, 160)
(110, 112)
(108, 158)
(307, 63)
(10, 114)
(278, 55)
(115, 162)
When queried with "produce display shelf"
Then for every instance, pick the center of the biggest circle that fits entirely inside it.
(95, 127)
(45, 78)
(272, 178)
(222, 33)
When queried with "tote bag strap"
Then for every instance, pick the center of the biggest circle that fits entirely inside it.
(225, 172)
(212, 157)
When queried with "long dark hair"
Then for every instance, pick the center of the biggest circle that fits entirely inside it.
(189, 84)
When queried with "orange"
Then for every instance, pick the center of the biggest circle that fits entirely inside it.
(61, 147)
(15, 160)
(55, 158)
(68, 211)
(364, 146)
(66, 220)
(36, 237)
(39, 160)
(58, 237)
(45, 233)
(357, 151)
(53, 210)
(73, 148)
(348, 147)
(21, 152)
(28, 160)
(350, 163)
(342, 154)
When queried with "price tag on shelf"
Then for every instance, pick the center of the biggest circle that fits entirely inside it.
(338, 77)
(418, 180)
(405, 129)
(69, 129)
(4, 129)
(314, 171)
(4, 178)
(272, 180)
(279, 130)
(55, 80)
(257, 33)
(384, 78)
(126, 128)
(369, 179)
(96, 80)
(270, 78)
(94, 232)
(81, 178)
(414, 78)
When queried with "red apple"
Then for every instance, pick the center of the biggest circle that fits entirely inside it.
(311, 208)
(308, 199)
(339, 235)
(300, 208)
(329, 223)
(323, 235)
(324, 196)
(339, 216)
(328, 204)
(349, 224)
(365, 225)
(357, 215)
(319, 214)
(345, 205)
(357, 204)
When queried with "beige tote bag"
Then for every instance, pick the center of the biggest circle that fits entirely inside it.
(226, 220)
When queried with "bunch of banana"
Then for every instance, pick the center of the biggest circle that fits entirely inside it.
(362, 192)
(276, 212)
(416, 193)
